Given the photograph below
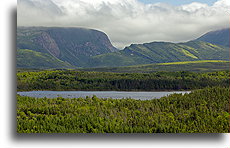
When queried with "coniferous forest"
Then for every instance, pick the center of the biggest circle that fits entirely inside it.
(80, 80)
(204, 110)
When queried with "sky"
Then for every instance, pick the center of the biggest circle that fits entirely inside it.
(178, 2)
(130, 21)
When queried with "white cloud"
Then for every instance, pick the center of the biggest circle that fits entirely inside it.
(128, 21)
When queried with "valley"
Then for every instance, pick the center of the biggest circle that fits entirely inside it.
(76, 60)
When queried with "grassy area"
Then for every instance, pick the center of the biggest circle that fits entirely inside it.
(30, 59)
(195, 66)
(194, 62)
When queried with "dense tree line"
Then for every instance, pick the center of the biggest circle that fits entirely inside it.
(201, 111)
(80, 80)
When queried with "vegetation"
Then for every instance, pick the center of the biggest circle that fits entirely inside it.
(193, 62)
(29, 59)
(204, 110)
(201, 111)
(195, 66)
(161, 52)
(80, 80)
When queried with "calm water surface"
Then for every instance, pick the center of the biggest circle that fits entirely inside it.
(100, 94)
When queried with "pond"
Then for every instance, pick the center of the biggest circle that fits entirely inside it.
(140, 95)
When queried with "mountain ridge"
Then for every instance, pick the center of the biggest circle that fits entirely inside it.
(81, 47)
(161, 52)
(219, 37)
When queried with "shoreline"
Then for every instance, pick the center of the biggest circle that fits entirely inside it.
(106, 90)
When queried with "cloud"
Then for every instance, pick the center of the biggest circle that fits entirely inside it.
(128, 21)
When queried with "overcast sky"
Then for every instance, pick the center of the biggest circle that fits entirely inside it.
(130, 21)
(178, 2)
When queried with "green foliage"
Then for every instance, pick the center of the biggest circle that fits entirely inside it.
(32, 59)
(115, 59)
(195, 66)
(80, 80)
(194, 62)
(202, 111)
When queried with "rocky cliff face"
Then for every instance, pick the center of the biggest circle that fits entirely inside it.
(85, 42)
(72, 45)
(47, 43)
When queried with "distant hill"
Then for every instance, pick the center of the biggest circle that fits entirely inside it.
(195, 66)
(161, 52)
(32, 59)
(72, 45)
(219, 37)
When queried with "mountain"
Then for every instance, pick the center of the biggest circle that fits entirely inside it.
(219, 37)
(59, 47)
(161, 52)
(71, 45)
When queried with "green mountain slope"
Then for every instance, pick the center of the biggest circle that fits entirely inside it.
(195, 66)
(161, 52)
(219, 37)
(91, 48)
(32, 59)
(73, 45)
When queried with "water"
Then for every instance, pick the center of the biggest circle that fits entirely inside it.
(100, 94)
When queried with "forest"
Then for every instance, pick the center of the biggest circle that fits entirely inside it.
(202, 111)
(82, 80)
